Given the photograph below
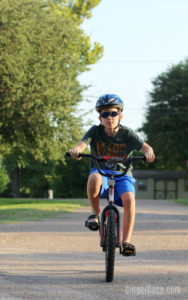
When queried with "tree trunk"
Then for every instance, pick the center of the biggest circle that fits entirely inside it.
(15, 185)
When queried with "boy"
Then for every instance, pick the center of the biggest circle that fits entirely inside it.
(112, 139)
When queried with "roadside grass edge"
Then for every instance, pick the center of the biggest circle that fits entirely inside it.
(181, 201)
(20, 210)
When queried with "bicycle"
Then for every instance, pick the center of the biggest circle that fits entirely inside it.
(109, 225)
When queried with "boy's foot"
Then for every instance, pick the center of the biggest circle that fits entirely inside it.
(92, 222)
(128, 249)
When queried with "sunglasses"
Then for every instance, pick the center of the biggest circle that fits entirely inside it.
(109, 113)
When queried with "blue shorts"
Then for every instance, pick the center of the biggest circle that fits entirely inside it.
(123, 184)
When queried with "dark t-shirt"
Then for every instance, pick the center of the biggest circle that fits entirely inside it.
(121, 144)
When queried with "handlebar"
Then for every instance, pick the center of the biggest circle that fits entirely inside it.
(110, 159)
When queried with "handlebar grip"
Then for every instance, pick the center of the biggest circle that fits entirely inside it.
(67, 154)
(80, 154)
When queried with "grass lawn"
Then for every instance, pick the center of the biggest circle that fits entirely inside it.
(182, 201)
(23, 210)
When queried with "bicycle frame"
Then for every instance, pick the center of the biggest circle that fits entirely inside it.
(111, 183)
(110, 229)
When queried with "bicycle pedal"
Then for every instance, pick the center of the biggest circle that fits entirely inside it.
(129, 253)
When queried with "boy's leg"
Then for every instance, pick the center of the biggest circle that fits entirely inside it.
(93, 190)
(128, 200)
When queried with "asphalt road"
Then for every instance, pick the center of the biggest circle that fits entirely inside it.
(59, 259)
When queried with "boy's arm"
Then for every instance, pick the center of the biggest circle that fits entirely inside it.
(148, 152)
(79, 148)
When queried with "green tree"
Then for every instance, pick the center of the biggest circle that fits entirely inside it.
(37, 178)
(4, 179)
(71, 178)
(42, 51)
(65, 179)
(166, 125)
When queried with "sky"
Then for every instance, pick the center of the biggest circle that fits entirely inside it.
(141, 39)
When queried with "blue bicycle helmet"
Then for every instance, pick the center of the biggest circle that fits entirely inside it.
(109, 100)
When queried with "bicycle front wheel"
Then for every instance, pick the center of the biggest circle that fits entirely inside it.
(110, 237)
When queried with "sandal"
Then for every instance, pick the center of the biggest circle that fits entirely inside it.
(128, 249)
(92, 222)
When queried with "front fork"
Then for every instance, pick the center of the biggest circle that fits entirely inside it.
(103, 224)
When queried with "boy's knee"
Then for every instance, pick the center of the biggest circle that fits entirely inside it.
(94, 185)
(95, 179)
(128, 199)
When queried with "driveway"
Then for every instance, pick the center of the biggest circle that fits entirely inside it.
(60, 259)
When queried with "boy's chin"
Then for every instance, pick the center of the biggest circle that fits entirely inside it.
(112, 126)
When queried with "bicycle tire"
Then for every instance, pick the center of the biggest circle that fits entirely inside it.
(110, 241)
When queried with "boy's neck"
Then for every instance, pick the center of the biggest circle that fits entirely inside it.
(111, 132)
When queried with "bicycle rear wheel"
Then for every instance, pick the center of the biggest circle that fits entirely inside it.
(110, 239)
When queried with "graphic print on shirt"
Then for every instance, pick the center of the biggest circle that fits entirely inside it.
(108, 149)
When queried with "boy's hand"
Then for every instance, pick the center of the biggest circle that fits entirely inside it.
(74, 153)
(148, 152)
(150, 156)
(79, 148)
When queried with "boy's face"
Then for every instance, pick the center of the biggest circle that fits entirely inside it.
(111, 122)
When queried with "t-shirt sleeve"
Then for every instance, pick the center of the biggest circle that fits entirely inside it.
(135, 140)
(89, 135)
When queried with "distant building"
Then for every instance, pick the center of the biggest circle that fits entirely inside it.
(157, 184)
